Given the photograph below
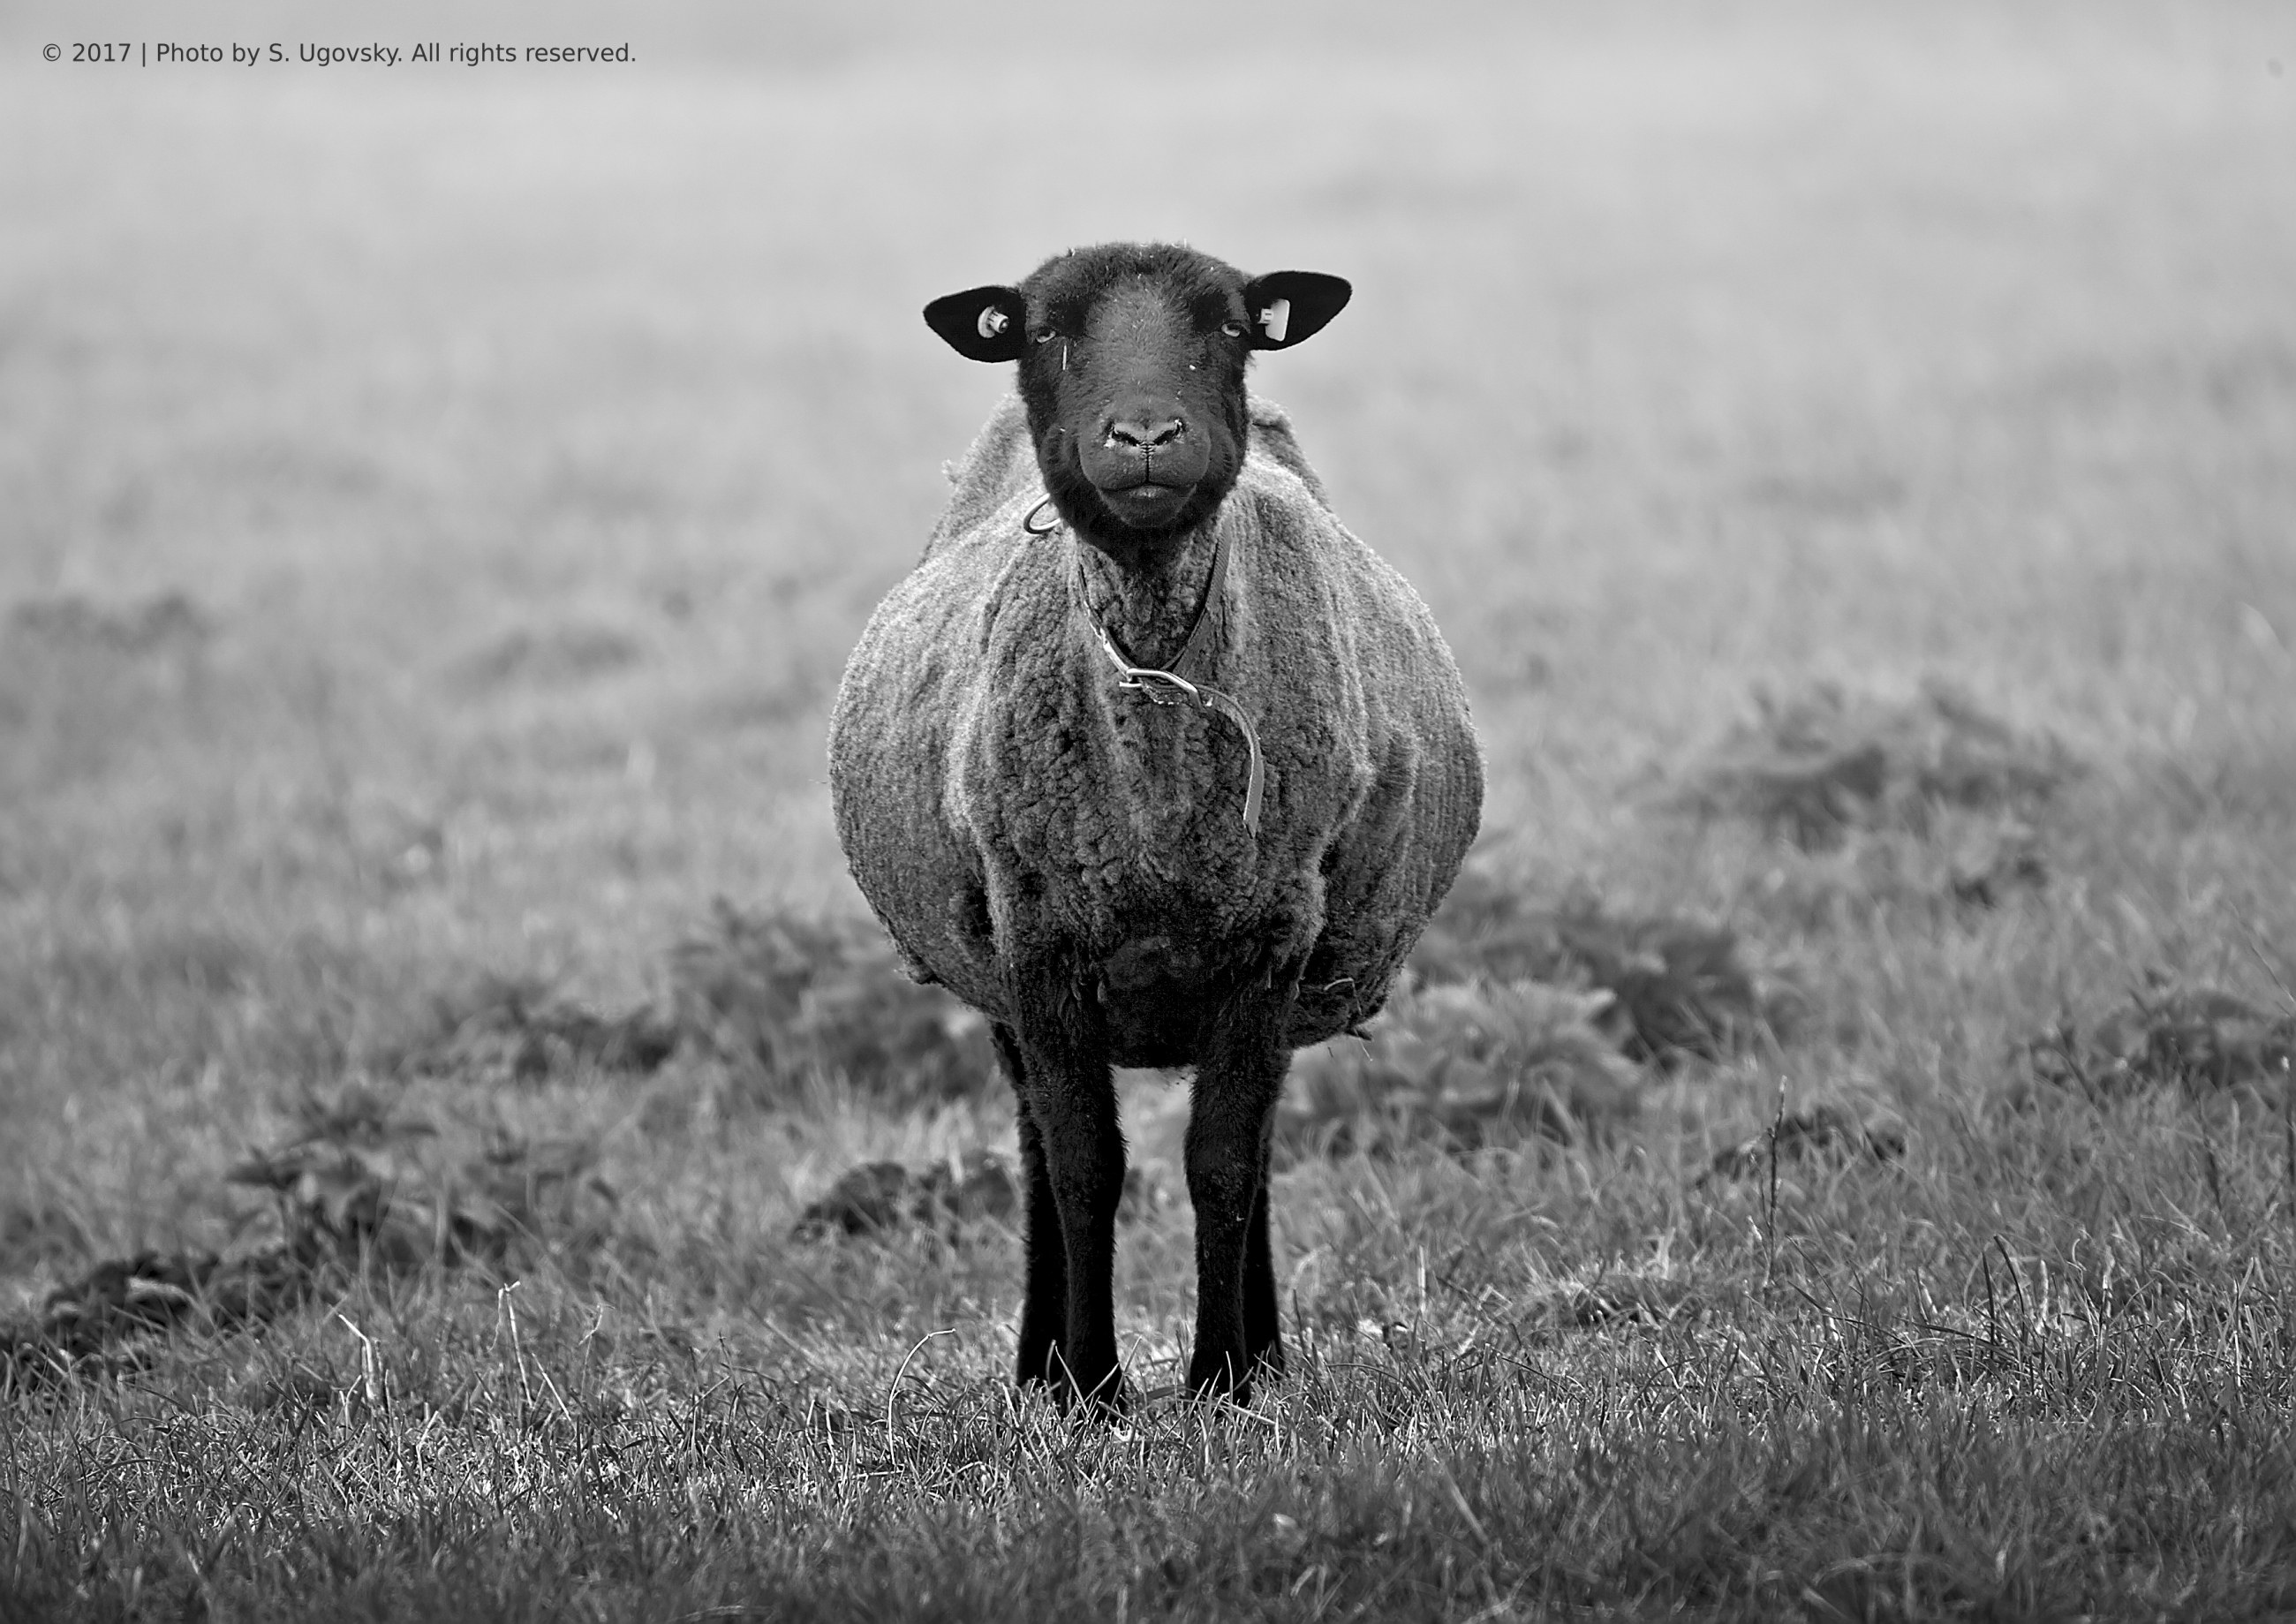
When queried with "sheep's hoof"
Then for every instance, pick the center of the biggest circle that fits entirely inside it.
(1111, 1399)
(1109, 1403)
(1212, 1396)
(1214, 1380)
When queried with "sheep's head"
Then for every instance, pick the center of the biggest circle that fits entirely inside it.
(1132, 359)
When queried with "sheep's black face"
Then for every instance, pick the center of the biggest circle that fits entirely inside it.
(1132, 361)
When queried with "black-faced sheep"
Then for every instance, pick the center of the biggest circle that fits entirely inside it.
(1150, 762)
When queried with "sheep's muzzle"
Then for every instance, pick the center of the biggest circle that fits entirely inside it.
(1145, 462)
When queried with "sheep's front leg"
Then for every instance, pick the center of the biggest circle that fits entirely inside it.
(1044, 1311)
(1074, 1148)
(1239, 1072)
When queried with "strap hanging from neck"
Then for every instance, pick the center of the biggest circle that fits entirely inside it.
(1171, 686)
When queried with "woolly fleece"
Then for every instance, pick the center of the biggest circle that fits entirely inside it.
(997, 793)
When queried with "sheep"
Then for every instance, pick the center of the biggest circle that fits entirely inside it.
(1150, 762)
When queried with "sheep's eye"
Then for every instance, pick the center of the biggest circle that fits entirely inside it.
(1234, 329)
(1047, 336)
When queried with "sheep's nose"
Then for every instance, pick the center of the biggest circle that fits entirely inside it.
(1133, 434)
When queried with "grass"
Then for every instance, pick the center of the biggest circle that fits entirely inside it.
(437, 511)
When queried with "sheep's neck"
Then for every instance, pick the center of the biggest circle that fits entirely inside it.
(1148, 608)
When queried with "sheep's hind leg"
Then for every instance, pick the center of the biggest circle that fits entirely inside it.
(1043, 1313)
(1239, 1072)
(1069, 1103)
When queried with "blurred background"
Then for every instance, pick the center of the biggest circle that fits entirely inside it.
(1851, 449)
(436, 501)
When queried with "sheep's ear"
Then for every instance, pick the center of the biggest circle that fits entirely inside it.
(1285, 306)
(982, 323)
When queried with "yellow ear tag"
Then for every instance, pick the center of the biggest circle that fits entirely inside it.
(992, 322)
(1275, 319)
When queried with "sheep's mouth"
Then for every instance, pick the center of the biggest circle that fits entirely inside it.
(1145, 502)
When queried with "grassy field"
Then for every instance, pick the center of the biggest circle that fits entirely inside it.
(435, 506)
